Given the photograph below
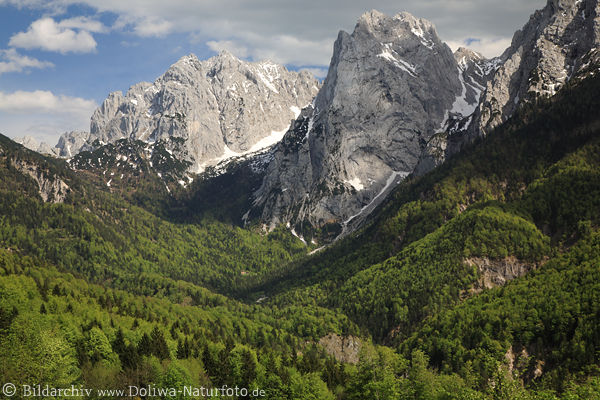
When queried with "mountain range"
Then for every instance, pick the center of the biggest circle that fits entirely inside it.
(396, 101)
(423, 224)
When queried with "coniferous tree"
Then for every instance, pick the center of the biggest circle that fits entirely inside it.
(6, 318)
(158, 344)
(145, 345)
(130, 358)
(181, 354)
(118, 345)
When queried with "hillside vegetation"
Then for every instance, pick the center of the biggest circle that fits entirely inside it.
(99, 291)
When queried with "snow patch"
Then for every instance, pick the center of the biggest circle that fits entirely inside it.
(299, 237)
(152, 88)
(386, 54)
(296, 111)
(390, 181)
(417, 30)
(461, 106)
(355, 183)
(268, 141)
(267, 83)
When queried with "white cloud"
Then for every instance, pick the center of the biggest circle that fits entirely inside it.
(300, 33)
(12, 61)
(48, 115)
(83, 23)
(144, 26)
(319, 73)
(47, 34)
(153, 26)
(283, 49)
(288, 49)
(489, 47)
(43, 101)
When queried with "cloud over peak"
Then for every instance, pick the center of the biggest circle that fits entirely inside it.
(44, 101)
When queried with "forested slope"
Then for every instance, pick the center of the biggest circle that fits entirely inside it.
(478, 280)
(526, 198)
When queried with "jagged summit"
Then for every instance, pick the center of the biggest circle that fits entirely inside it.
(555, 45)
(403, 25)
(390, 87)
(545, 54)
(206, 111)
(464, 55)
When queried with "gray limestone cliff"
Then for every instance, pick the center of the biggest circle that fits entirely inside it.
(217, 108)
(396, 101)
(550, 49)
(391, 86)
(50, 187)
(71, 143)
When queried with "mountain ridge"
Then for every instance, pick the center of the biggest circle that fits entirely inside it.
(221, 107)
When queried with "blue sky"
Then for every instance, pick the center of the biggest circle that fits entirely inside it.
(60, 58)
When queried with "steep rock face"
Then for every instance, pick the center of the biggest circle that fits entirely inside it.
(549, 50)
(475, 71)
(220, 108)
(497, 272)
(71, 143)
(392, 84)
(344, 349)
(51, 188)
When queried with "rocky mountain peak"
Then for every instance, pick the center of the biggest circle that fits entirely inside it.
(420, 27)
(463, 56)
(544, 55)
(401, 26)
(32, 144)
(218, 108)
(391, 85)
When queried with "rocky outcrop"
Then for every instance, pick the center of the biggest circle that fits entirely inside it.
(218, 108)
(71, 143)
(496, 272)
(521, 365)
(557, 44)
(343, 348)
(51, 188)
(391, 86)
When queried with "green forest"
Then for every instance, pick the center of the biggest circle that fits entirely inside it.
(478, 280)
